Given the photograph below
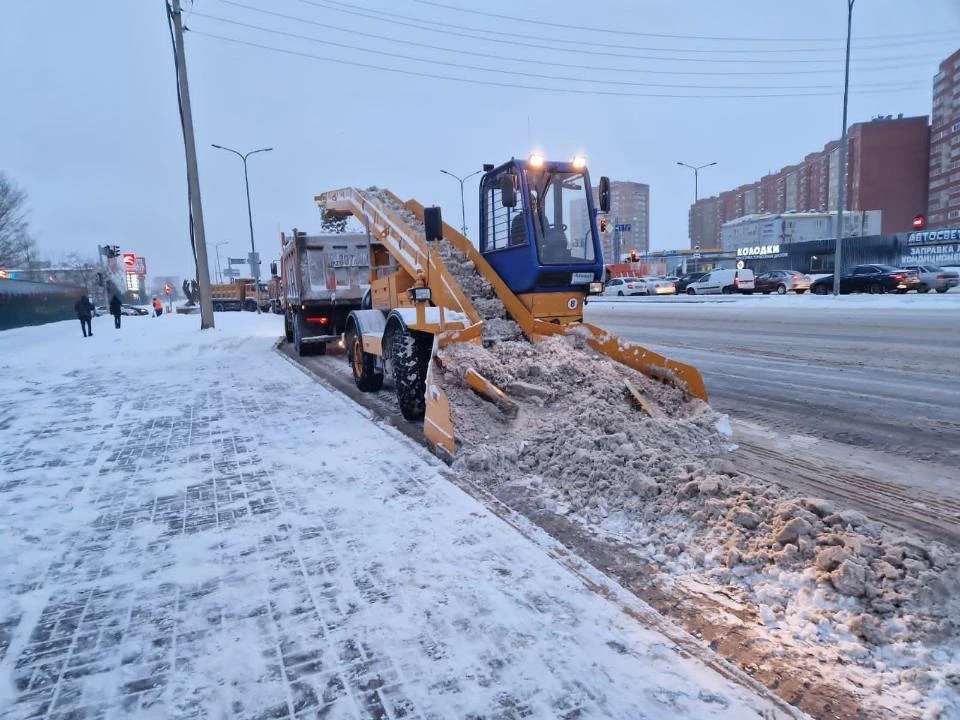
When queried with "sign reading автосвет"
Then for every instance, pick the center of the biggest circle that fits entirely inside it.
(930, 237)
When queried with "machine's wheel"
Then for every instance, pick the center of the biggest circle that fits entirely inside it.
(363, 364)
(691, 291)
(942, 290)
(820, 290)
(781, 289)
(302, 350)
(876, 289)
(411, 356)
(727, 290)
(287, 328)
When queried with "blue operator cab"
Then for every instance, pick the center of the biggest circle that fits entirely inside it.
(538, 229)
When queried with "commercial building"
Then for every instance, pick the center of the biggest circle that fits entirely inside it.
(944, 189)
(887, 170)
(752, 230)
(935, 247)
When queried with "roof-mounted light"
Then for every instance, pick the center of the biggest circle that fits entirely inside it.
(579, 162)
(535, 160)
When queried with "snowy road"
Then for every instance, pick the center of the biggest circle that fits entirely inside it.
(192, 527)
(870, 374)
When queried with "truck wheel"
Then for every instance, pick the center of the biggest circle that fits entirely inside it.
(363, 364)
(287, 328)
(411, 356)
(250, 306)
(302, 350)
(217, 307)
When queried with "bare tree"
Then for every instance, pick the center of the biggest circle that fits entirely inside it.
(85, 273)
(16, 245)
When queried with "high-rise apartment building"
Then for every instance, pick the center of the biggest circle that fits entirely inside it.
(887, 163)
(943, 209)
(629, 219)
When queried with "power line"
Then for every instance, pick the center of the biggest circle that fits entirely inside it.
(523, 74)
(579, 50)
(724, 38)
(494, 83)
(577, 66)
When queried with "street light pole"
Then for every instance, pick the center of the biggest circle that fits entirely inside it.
(842, 199)
(463, 210)
(216, 248)
(246, 180)
(696, 189)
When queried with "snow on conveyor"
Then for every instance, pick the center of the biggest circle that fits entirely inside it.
(190, 527)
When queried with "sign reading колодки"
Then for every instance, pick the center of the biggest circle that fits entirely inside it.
(933, 247)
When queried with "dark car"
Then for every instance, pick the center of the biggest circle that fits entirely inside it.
(781, 282)
(681, 284)
(873, 279)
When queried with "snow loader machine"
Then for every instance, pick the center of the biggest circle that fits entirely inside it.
(430, 287)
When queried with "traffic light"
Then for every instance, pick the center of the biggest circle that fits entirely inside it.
(603, 224)
(634, 256)
(919, 222)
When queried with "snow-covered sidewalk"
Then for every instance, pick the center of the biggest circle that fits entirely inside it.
(192, 527)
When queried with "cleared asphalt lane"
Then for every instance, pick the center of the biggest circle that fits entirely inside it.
(882, 378)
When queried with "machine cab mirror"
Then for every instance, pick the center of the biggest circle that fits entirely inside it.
(603, 194)
(508, 190)
(432, 223)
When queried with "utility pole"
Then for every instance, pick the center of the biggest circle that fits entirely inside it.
(193, 174)
(842, 200)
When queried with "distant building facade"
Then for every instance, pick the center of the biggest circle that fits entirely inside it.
(943, 209)
(887, 163)
(781, 230)
(629, 211)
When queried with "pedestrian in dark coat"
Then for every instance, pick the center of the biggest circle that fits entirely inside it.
(85, 310)
(115, 310)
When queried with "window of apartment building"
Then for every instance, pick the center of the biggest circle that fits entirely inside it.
(953, 215)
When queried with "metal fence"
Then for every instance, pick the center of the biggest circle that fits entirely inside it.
(25, 303)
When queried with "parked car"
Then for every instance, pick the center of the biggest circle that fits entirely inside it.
(723, 281)
(934, 278)
(874, 279)
(681, 284)
(625, 286)
(659, 286)
(782, 281)
(133, 310)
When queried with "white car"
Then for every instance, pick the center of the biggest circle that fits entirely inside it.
(726, 282)
(625, 286)
(660, 286)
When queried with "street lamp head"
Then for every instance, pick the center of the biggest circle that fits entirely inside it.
(710, 164)
(219, 147)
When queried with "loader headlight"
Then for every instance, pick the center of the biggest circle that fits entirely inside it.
(535, 160)
(579, 162)
(596, 288)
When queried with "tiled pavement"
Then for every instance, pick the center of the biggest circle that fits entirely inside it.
(232, 540)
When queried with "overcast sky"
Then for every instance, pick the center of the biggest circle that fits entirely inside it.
(90, 126)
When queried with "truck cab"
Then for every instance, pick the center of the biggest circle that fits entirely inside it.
(538, 230)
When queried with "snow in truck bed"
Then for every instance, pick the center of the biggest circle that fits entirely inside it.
(188, 535)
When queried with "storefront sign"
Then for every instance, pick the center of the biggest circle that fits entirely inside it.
(931, 237)
(760, 251)
(946, 254)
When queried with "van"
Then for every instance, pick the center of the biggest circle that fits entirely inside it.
(723, 281)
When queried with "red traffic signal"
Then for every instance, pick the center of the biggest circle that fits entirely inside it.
(919, 222)
(167, 289)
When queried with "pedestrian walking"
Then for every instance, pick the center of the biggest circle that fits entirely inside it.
(115, 309)
(85, 310)
(157, 307)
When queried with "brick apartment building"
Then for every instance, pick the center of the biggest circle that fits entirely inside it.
(944, 188)
(887, 170)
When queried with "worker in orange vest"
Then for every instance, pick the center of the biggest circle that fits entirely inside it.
(157, 307)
